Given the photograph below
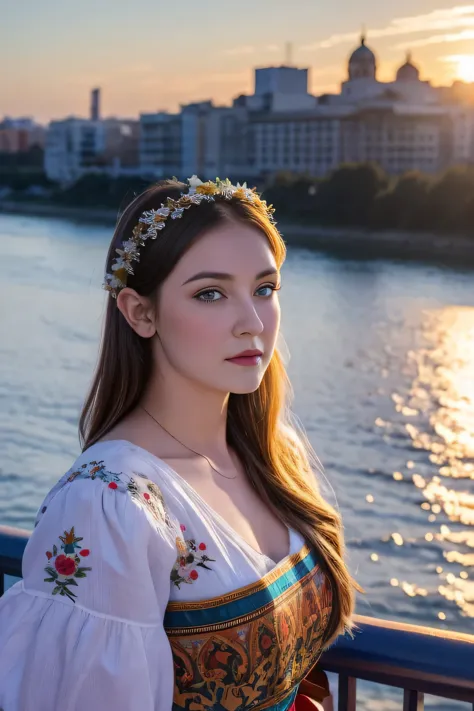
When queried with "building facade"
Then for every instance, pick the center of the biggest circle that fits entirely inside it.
(404, 124)
(21, 134)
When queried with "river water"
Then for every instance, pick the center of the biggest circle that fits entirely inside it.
(381, 356)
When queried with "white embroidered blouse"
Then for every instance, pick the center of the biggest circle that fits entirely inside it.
(117, 538)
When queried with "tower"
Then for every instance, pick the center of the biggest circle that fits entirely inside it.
(95, 105)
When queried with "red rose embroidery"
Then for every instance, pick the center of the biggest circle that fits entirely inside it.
(183, 527)
(202, 546)
(194, 575)
(65, 565)
(146, 496)
(85, 552)
(112, 485)
(49, 555)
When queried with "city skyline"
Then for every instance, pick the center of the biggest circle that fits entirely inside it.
(148, 57)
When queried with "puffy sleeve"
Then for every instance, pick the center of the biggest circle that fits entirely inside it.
(83, 630)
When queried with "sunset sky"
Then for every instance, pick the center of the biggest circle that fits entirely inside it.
(149, 55)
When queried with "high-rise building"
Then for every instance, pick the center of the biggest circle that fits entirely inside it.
(95, 105)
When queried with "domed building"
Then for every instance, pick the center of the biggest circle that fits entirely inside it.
(408, 71)
(362, 62)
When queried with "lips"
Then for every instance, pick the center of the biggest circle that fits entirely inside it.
(250, 357)
(247, 354)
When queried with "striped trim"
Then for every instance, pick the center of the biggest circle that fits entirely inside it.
(242, 604)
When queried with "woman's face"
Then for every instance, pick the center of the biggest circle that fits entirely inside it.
(220, 301)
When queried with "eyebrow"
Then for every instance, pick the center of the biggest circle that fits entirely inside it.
(224, 276)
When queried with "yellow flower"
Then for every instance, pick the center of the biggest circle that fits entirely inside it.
(207, 188)
(181, 546)
(121, 274)
(240, 194)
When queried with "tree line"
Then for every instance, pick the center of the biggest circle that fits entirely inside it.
(352, 195)
(362, 195)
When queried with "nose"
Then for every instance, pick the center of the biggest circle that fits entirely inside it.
(247, 321)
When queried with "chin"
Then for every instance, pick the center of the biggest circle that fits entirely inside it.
(245, 386)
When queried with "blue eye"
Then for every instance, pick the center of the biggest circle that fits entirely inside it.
(270, 289)
(204, 296)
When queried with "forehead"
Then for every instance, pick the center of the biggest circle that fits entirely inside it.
(235, 248)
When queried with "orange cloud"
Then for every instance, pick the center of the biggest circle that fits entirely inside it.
(461, 16)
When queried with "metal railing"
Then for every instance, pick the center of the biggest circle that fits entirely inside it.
(419, 660)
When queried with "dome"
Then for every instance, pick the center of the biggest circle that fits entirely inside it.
(362, 63)
(408, 71)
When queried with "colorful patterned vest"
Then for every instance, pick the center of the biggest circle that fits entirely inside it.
(251, 648)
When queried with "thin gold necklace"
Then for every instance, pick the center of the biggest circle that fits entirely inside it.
(186, 446)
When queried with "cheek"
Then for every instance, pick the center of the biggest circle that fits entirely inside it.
(270, 317)
(192, 326)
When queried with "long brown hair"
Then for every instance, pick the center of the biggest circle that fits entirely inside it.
(276, 458)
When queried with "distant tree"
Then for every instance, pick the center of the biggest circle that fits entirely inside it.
(347, 196)
(99, 190)
(449, 207)
(293, 195)
(404, 204)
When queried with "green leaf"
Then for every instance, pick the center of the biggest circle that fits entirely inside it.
(80, 575)
(48, 580)
(70, 581)
(56, 590)
(81, 570)
(55, 550)
(51, 571)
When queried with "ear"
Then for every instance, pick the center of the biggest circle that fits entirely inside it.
(138, 311)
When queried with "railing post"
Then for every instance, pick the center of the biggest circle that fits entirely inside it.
(346, 693)
(413, 700)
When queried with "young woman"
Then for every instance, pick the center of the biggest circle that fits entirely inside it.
(187, 560)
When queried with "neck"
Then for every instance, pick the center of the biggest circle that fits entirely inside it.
(193, 414)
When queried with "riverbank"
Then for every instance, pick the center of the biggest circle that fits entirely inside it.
(352, 242)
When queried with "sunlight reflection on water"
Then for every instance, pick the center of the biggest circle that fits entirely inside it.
(443, 393)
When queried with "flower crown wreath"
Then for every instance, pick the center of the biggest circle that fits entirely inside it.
(152, 222)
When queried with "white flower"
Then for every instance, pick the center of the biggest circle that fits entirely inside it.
(120, 263)
(197, 198)
(194, 181)
(177, 212)
(151, 217)
(113, 282)
(228, 191)
(129, 253)
(130, 247)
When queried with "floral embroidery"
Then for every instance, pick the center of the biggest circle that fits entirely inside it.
(143, 491)
(189, 557)
(96, 470)
(66, 565)
(148, 495)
